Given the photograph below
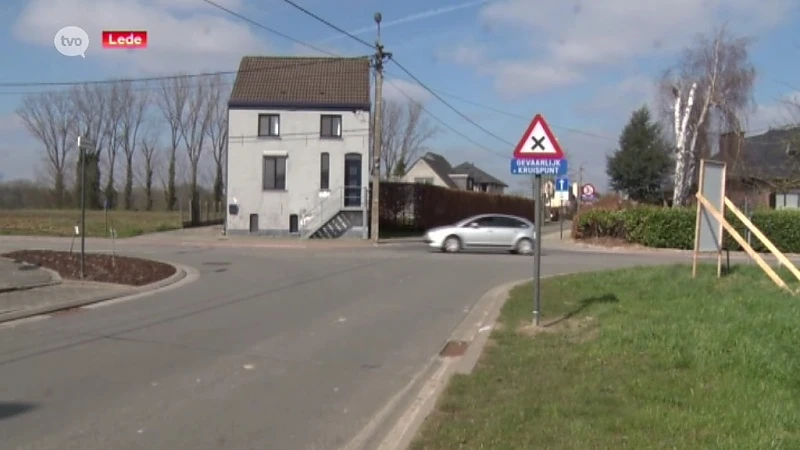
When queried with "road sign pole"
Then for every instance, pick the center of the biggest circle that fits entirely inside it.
(537, 250)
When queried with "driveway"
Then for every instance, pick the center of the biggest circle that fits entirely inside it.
(270, 348)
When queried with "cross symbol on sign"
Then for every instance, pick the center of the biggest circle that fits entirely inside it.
(537, 143)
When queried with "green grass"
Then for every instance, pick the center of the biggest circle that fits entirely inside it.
(61, 222)
(640, 358)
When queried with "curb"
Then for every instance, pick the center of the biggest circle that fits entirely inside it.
(180, 274)
(55, 279)
(397, 424)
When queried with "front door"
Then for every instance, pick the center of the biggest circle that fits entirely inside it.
(352, 180)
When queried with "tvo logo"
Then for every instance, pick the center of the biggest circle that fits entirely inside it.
(72, 41)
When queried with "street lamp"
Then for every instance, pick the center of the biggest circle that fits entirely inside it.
(84, 144)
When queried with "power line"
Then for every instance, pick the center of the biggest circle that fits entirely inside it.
(446, 103)
(337, 28)
(448, 126)
(266, 28)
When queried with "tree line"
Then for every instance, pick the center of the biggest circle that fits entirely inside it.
(709, 91)
(138, 128)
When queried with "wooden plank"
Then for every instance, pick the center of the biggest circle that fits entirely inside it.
(738, 238)
(763, 238)
(721, 233)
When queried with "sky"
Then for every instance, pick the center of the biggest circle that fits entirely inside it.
(584, 65)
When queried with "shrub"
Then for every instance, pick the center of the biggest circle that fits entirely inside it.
(674, 227)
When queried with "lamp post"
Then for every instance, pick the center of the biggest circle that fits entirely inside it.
(84, 144)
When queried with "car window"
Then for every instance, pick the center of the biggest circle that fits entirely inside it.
(487, 221)
(509, 222)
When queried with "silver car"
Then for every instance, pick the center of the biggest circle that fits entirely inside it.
(485, 231)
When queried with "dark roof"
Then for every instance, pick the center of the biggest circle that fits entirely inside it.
(477, 175)
(440, 166)
(302, 82)
(769, 156)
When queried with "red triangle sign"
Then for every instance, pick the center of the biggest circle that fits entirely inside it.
(538, 142)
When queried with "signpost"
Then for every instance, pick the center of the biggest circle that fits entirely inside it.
(587, 192)
(538, 153)
(84, 144)
(562, 194)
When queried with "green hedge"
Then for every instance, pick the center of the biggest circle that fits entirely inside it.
(674, 227)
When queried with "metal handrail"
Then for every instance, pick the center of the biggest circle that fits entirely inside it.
(320, 213)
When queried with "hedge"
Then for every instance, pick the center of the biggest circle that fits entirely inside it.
(674, 227)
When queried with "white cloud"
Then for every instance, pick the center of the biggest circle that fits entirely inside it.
(466, 54)
(785, 111)
(179, 40)
(396, 89)
(621, 98)
(577, 38)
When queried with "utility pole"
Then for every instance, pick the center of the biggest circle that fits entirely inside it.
(378, 60)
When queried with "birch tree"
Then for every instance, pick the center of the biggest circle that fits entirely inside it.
(49, 119)
(405, 132)
(712, 84)
(172, 101)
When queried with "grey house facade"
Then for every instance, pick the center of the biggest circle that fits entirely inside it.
(298, 147)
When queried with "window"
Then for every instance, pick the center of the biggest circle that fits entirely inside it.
(470, 184)
(508, 222)
(274, 173)
(790, 201)
(269, 125)
(324, 171)
(331, 126)
(423, 180)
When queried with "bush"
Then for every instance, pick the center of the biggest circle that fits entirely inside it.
(674, 227)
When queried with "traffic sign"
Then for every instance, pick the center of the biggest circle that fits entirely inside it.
(538, 142)
(555, 167)
(587, 190)
(562, 184)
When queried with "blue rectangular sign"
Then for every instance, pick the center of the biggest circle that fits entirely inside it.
(556, 167)
(562, 184)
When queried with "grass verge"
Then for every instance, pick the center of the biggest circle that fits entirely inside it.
(62, 222)
(639, 358)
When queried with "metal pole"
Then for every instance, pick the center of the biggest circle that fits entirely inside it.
(82, 152)
(379, 57)
(561, 217)
(537, 250)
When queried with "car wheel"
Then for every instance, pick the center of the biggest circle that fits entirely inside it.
(524, 247)
(452, 244)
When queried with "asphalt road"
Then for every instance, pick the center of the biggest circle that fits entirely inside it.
(269, 349)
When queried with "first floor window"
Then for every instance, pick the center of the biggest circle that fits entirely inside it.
(331, 126)
(269, 125)
(324, 171)
(274, 173)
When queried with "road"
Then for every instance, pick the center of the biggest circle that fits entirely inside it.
(268, 349)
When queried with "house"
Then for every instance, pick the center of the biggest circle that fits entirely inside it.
(433, 168)
(298, 147)
(762, 170)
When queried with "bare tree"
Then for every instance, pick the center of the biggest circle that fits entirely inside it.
(218, 133)
(131, 119)
(117, 107)
(194, 130)
(148, 142)
(48, 117)
(714, 80)
(404, 134)
(172, 101)
(90, 103)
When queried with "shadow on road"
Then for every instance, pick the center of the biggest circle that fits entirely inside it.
(585, 303)
(11, 409)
